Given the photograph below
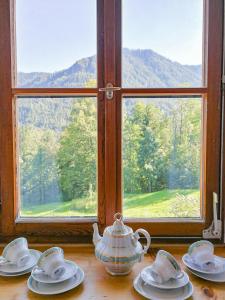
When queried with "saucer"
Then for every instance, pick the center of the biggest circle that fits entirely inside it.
(5, 274)
(56, 288)
(71, 269)
(219, 265)
(210, 277)
(170, 284)
(11, 269)
(154, 293)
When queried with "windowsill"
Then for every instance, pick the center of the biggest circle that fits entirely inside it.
(99, 285)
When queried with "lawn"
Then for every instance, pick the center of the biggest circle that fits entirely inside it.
(165, 203)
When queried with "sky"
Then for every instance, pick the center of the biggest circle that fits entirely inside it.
(53, 34)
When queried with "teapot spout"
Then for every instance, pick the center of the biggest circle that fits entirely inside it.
(96, 235)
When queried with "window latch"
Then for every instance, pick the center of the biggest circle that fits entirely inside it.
(110, 89)
(215, 229)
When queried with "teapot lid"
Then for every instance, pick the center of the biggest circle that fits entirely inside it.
(118, 227)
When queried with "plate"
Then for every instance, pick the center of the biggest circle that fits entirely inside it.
(5, 274)
(71, 269)
(56, 288)
(170, 284)
(210, 277)
(14, 270)
(219, 265)
(154, 293)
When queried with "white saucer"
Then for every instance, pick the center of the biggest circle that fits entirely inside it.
(5, 274)
(71, 269)
(154, 293)
(219, 265)
(170, 284)
(210, 277)
(14, 270)
(56, 288)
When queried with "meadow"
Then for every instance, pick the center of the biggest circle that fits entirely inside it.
(165, 203)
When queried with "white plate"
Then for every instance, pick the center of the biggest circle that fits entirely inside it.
(210, 277)
(56, 288)
(170, 284)
(4, 274)
(219, 265)
(154, 293)
(14, 270)
(71, 269)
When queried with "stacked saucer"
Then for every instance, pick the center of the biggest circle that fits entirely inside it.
(160, 281)
(17, 259)
(201, 261)
(53, 274)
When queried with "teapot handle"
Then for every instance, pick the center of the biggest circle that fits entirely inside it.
(147, 236)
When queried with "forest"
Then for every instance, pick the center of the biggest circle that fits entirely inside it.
(58, 159)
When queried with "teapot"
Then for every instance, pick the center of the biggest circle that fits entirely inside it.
(119, 249)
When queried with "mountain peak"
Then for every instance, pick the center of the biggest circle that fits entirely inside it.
(141, 68)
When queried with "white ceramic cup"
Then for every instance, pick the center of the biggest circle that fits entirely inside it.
(16, 252)
(51, 263)
(202, 254)
(165, 267)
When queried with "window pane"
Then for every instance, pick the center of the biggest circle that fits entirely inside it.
(161, 157)
(162, 43)
(56, 43)
(57, 156)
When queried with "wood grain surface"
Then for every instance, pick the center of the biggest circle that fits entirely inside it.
(98, 285)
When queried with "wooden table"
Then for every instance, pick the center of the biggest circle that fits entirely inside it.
(98, 285)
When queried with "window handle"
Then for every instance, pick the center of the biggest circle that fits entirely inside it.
(110, 89)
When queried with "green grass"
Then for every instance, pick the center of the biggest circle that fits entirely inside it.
(165, 203)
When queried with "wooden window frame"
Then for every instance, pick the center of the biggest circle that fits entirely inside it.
(109, 129)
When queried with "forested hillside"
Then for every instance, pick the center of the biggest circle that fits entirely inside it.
(141, 68)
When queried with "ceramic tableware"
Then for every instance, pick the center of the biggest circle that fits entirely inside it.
(165, 267)
(210, 277)
(202, 254)
(15, 274)
(119, 248)
(14, 270)
(16, 253)
(170, 284)
(154, 293)
(51, 263)
(56, 288)
(71, 269)
(219, 265)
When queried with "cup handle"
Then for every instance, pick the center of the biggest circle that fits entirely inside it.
(36, 270)
(147, 236)
(181, 275)
(3, 260)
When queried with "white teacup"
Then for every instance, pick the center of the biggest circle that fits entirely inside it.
(51, 263)
(202, 254)
(16, 252)
(165, 267)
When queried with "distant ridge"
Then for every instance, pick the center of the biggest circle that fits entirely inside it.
(142, 68)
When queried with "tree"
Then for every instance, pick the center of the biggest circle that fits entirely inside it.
(145, 148)
(38, 169)
(77, 153)
(184, 171)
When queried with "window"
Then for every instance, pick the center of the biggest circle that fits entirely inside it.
(73, 153)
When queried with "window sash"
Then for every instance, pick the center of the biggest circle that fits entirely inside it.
(109, 128)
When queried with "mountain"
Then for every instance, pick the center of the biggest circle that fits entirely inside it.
(141, 68)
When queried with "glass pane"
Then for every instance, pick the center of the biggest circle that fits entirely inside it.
(57, 156)
(161, 157)
(162, 43)
(56, 43)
